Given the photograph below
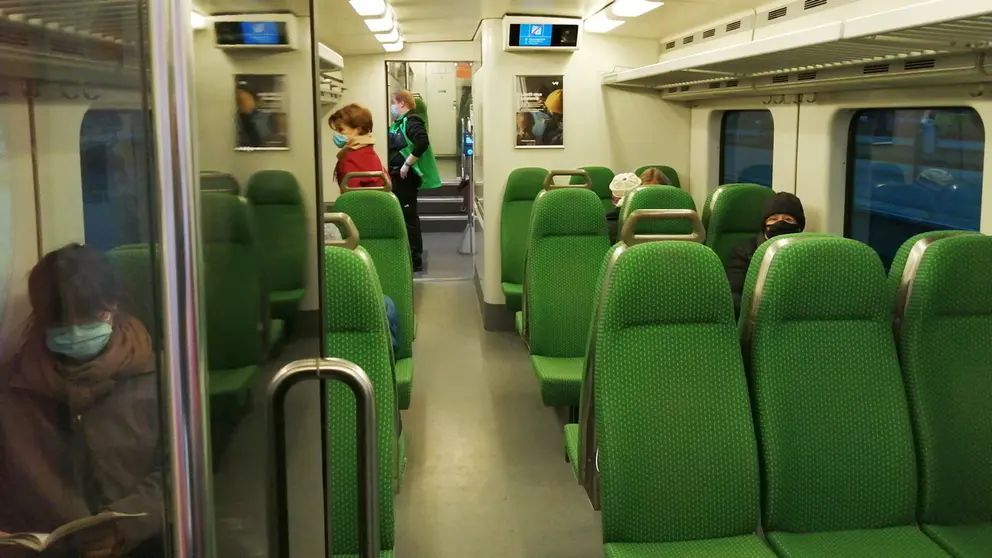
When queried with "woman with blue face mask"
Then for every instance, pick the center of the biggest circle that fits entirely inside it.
(79, 412)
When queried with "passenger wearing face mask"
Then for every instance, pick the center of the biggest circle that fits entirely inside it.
(411, 166)
(79, 414)
(783, 214)
(352, 127)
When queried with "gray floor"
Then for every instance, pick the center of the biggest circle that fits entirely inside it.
(443, 260)
(485, 476)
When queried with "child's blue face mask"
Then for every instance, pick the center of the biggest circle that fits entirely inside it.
(81, 342)
(340, 140)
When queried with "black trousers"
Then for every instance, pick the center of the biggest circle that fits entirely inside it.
(406, 190)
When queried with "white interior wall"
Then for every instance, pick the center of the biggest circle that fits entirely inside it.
(365, 82)
(619, 129)
(214, 71)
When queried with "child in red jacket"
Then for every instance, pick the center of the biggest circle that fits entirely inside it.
(353, 136)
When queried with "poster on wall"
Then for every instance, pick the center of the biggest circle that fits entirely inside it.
(260, 115)
(540, 112)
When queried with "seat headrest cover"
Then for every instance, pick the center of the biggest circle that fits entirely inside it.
(376, 214)
(667, 283)
(225, 218)
(524, 184)
(953, 278)
(740, 208)
(568, 212)
(274, 187)
(820, 278)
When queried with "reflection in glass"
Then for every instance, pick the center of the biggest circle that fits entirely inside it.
(912, 171)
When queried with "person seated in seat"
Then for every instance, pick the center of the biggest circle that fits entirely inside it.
(783, 214)
(353, 137)
(79, 413)
(623, 183)
(654, 177)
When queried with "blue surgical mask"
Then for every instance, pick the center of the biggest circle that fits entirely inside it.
(81, 342)
(340, 140)
(393, 111)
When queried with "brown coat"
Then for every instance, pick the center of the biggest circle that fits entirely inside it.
(76, 439)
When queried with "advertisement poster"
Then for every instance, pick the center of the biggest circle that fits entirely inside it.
(540, 112)
(260, 116)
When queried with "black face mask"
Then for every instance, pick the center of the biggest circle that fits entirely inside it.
(779, 228)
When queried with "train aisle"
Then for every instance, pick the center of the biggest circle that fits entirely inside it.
(486, 474)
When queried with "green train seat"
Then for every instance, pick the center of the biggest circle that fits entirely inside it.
(898, 268)
(379, 219)
(355, 329)
(735, 212)
(522, 187)
(214, 181)
(658, 197)
(568, 240)
(838, 465)
(601, 178)
(677, 478)
(137, 270)
(943, 324)
(280, 216)
(236, 308)
(673, 176)
(580, 439)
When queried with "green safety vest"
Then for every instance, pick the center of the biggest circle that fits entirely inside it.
(426, 165)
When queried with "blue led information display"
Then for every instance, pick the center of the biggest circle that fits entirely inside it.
(260, 32)
(535, 35)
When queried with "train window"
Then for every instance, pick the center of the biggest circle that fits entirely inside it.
(911, 171)
(747, 140)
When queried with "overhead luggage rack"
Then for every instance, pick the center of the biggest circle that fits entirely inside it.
(923, 30)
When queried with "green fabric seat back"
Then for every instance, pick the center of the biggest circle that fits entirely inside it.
(137, 270)
(234, 291)
(833, 421)
(522, 186)
(673, 177)
(677, 450)
(213, 181)
(657, 197)
(735, 216)
(902, 256)
(601, 178)
(568, 242)
(281, 220)
(382, 233)
(708, 206)
(356, 330)
(945, 342)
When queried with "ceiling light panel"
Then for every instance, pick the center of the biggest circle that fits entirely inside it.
(633, 8)
(369, 8)
(394, 47)
(390, 37)
(601, 23)
(381, 24)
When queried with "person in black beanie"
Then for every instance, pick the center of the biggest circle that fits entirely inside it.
(783, 214)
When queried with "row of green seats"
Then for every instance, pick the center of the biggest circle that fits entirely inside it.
(252, 282)
(356, 329)
(858, 437)
(522, 187)
(378, 217)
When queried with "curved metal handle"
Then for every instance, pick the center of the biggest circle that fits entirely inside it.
(549, 180)
(357, 380)
(351, 239)
(346, 179)
(630, 238)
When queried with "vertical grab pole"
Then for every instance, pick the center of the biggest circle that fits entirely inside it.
(170, 49)
(357, 380)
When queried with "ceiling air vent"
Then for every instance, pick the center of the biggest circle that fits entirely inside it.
(687, 40)
(733, 26)
(925, 64)
(715, 85)
(781, 78)
(709, 33)
(780, 12)
(733, 83)
(875, 69)
(684, 88)
(673, 89)
(810, 4)
(806, 76)
(670, 45)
